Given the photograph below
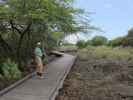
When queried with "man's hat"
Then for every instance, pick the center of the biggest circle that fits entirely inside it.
(39, 43)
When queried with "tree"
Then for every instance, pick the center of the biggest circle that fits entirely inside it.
(99, 40)
(128, 40)
(26, 22)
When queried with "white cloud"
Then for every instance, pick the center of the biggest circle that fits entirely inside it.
(74, 38)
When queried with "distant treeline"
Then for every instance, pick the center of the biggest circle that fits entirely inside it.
(101, 40)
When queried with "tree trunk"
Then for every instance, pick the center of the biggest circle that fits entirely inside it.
(6, 46)
(19, 48)
(20, 43)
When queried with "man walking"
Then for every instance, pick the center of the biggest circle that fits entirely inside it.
(38, 59)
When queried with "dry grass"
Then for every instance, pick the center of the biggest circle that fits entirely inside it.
(100, 73)
(107, 53)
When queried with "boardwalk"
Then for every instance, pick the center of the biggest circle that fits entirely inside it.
(45, 89)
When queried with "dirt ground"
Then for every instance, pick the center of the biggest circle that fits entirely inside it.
(98, 79)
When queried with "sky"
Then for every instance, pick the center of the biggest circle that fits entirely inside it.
(115, 17)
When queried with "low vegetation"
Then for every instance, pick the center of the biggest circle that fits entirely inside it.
(9, 73)
(100, 73)
(105, 52)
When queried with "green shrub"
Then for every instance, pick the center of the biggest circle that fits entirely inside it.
(99, 40)
(10, 70)
(116, 42)
(81, 44)
(89, 43)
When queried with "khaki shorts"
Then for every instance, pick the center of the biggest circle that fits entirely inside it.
(39, 64)
(38, 60)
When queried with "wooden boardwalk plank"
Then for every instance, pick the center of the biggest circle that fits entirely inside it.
(47, 88)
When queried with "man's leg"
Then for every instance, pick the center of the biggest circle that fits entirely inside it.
(39, 67)
(40, 70)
